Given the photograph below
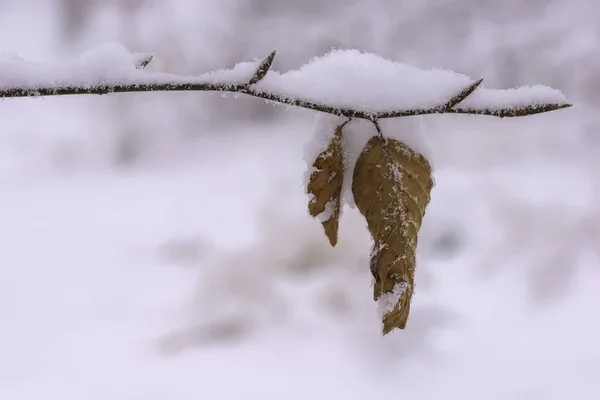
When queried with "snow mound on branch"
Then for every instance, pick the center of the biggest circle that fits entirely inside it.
(342, 79)
(107, 64)
(522, 96)
(362, 81)
(366, 82)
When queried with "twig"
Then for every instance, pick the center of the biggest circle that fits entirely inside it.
(250, 89)
(453, 102)
(262, 69)
(144, 62)
(378, 129)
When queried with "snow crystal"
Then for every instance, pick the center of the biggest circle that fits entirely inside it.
(388, 301)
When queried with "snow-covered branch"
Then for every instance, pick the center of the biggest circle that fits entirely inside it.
(343, 82)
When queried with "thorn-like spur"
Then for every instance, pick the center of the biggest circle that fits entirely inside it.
(263, 68)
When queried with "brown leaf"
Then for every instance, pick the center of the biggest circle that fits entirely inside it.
(325, 185)
(391, 188)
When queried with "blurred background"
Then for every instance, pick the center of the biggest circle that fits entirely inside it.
(158, 246)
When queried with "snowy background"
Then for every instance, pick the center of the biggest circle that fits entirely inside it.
(157, 246)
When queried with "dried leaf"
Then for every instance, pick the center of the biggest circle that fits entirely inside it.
(391, 188)
(325, 185)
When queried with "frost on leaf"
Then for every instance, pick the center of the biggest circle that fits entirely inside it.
(391, 188)
(325, 186)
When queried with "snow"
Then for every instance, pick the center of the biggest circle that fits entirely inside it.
(89, 296)
(363, 81)
(107, 64)
(240, 73)
(388, 301)
(87, 303)
(327, 213)
(347, 79)
(515, 97)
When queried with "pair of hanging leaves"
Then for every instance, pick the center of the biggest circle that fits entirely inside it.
(391, 186)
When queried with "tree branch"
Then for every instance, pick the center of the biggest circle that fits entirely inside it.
(249, 88)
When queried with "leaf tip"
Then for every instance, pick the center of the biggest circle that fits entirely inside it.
(331, 229)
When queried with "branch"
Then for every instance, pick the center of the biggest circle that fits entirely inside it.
(250, 88)
(513, 112)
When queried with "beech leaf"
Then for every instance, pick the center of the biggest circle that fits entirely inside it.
(392, 187)
(325, 186)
